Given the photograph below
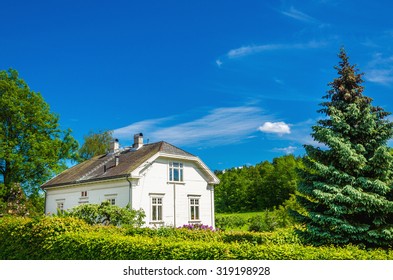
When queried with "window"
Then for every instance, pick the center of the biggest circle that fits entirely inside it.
(111, 198)
(112, 201)
(176, 172)
(194, 209)
(84, 194)
(156, 209)
(60, 207)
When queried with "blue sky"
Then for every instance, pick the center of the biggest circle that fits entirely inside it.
(234, 82)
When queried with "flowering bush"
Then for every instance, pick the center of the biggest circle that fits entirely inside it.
(197, 227)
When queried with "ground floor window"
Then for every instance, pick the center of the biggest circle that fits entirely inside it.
(194, 208)
(156, 209)
(60, 206)
(112, 201)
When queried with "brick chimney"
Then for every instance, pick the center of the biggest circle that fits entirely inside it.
(138, 141)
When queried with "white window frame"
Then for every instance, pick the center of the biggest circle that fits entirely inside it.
(60, 206)
(194, 208)
(112, 198)
(156, 208)
(84, 194)
(112, 201)
(176, 171)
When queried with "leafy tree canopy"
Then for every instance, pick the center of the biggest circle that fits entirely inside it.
(95, 143)
(32, 146)
(256, 188)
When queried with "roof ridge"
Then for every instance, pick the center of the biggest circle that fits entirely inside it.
(164, 142)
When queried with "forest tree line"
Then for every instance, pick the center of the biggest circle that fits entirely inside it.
(257, 188)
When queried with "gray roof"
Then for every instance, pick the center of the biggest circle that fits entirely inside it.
(129, 160)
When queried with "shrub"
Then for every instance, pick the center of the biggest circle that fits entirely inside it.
(25, 238)
(197, 227)
(70, 238)
(267, 222)
(227, 222)
(107, 214)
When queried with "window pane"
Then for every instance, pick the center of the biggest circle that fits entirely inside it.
(176, 175)
(154, 214)
(196, 212)
(181, 175)
(159, 216)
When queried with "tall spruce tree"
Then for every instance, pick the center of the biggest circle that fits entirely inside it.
(347, 185)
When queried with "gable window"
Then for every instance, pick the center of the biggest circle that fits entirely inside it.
(176, 172)
(156, 209)
(194, 208)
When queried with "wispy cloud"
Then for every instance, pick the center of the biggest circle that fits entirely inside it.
(287, 150)
(253, 49)
(247, 50)
(278, 128)
(380, 70)
(298, 15)
(218, 127)
(218, 62)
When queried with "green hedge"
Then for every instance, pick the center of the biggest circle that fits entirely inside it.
(69, 238)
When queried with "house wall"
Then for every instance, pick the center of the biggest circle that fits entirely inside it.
(175, 195)
(154, 181)
(71, 196)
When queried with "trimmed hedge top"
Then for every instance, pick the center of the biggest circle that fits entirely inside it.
(70, 238)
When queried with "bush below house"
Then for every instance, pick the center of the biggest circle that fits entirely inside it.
(70, 238)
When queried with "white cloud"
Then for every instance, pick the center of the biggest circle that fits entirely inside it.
(217, 127)
(218, 62)
(380, 69)
(298, 15)
(247, 50)
(253, 49)
(288, 150)
(279, 128)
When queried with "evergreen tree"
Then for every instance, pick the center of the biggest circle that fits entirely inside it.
(346, 187)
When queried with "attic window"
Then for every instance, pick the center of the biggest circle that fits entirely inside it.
(84, 194)
(176, 172)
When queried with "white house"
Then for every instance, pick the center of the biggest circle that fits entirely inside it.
(172, 186)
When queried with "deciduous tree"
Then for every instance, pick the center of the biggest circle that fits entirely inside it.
(95, 143)
(33, 147)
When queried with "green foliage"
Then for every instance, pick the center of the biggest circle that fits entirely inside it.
(262, 223)
(230, 221)
(70, 238)
(96, 143)
(347, 187)
(268, 220)
(32, 145)
(35, 204)
(259, 187)
(107, 214)
(25, 238)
